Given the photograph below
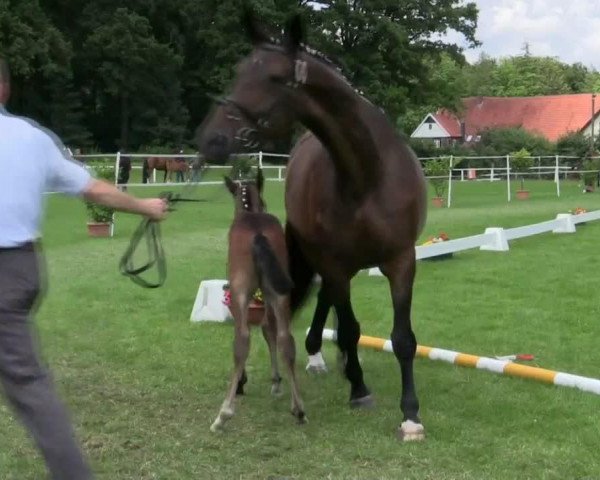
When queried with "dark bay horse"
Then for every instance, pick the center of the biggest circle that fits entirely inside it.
(257, 258)
(355, 192)
(164, 164)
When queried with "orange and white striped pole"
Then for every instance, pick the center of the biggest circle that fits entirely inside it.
(503, 367)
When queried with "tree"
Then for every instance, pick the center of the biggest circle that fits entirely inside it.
(479, 77)
(382, 44)
(527, 75)
(40, 57)
(136, 77)
(499, 141)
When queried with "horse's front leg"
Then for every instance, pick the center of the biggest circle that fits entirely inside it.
(348, 334)
(401, 274)
(314, 338)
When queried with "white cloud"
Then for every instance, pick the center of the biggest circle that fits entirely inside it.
(566, 29)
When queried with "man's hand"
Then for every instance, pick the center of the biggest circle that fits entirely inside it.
(155, 208)
(104, 193)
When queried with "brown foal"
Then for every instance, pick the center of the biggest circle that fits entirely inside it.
(258, 259)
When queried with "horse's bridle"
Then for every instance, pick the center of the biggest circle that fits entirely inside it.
(246, 135)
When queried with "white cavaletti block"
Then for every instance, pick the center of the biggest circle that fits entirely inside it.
(565, 223)
(209, 306)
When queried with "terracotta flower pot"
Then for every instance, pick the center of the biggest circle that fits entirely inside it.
(522, 194)
(256, 314)
(437, 202)
(98, 229)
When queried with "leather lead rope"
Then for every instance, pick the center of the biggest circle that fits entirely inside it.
(149, 230)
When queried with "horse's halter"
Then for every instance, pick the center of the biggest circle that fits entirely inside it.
(247, 135)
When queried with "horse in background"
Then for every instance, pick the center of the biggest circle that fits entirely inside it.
(355, 193)
(167, 165)
(257, 258)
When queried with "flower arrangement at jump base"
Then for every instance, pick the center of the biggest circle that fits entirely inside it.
(256, 309)
(442, 237)
(578, 211)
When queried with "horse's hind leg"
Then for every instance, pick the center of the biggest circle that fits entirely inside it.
(241, 347)
(314, 338)
(269, 331)
(287, 347)
(401, 274)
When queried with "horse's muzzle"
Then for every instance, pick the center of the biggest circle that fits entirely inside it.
(216, 148)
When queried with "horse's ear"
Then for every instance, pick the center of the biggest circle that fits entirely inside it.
(231, 185)
(260, 180)
(294, 34)
(250, 24)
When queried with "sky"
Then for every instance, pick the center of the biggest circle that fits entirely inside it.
(566, 29)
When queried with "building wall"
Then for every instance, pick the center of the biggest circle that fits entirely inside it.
(429, 130)
(588, 131)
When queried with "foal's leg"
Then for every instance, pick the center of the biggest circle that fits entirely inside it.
(241, 347)
(270, 333)
(314, 338)
(401, 274)
(348, 334)
(287, 347)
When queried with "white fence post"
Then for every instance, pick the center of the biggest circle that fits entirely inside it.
(557, 178)
(260, 155)
(117, 165)
(450, 181)
(508, 175)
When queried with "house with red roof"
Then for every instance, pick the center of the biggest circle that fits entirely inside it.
(550, 116)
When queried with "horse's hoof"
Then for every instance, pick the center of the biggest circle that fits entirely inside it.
(316, 364)
(410, 431)
(276, 389)
(367, 401)
(217, 426)
(301, 417)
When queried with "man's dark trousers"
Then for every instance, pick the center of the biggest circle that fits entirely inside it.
(25, 381)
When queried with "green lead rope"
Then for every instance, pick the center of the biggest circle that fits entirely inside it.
(150, 230)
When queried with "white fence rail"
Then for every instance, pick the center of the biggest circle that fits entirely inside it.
(499, 170)
(496, 239)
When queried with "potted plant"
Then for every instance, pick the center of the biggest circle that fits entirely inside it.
(100, 217)
(242, 168)
(521, 162)
(436, 169)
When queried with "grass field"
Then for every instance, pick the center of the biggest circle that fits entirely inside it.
(144, 384)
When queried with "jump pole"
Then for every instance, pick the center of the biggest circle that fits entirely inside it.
(503, 367)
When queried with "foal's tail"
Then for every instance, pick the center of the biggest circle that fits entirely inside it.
(268, 265)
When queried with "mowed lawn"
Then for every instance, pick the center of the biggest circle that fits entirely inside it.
(143, 383)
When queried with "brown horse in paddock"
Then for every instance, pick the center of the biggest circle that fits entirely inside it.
(257, 258)
(164, 164)
(355, 192)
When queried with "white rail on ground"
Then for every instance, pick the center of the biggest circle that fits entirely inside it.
(496, 239)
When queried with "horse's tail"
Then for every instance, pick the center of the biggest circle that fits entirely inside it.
(145, 173)
(268, 265)
(301, 271)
